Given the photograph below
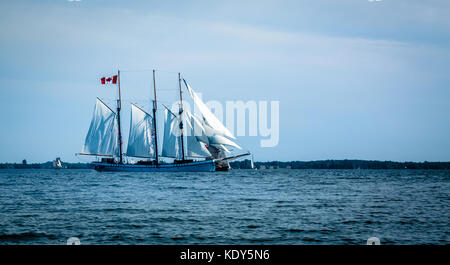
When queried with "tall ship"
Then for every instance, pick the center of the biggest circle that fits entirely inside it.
(191, 142)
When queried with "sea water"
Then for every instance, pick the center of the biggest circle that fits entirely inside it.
(280, 206)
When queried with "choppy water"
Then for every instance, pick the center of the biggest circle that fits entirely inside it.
(238, 207)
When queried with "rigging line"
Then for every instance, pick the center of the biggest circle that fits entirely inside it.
(166, 102)
(141, 109)
(148, 70)
(136, 71)
(106, 105)
(166, 71)
(143, 102)
(170, 111)
(135, 100)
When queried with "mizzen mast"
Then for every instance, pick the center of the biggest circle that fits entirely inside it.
(181, 118)
(155, 106)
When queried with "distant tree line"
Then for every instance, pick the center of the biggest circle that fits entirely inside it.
(46, 165)
(246, 164)
(341, 164)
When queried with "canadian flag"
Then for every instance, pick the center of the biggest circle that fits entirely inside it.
(109, 80)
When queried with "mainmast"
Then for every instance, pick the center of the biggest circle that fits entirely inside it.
(181, 118)
(154, 118)
(119, 106)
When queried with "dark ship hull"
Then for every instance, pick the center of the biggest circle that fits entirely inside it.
(194, 166)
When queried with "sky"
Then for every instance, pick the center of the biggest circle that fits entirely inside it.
(355, 79)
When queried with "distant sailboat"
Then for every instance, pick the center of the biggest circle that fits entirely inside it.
(57, 163)
(195, 142)
(252, 166)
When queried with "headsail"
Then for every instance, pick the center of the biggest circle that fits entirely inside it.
(196, 147)
(170, 142)
(215, 138)
(197, 128)
(140, 140)
(102, 137)
(201, 135)
(222, 148)
(209, 118)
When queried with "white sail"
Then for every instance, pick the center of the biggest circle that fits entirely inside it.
(210, 119)
(58, 162)
(140, 140)
(170, 141)
(222, 147)
(197, 128)
(195, 147)
(102, 135)
(215, 138)
(208, 135)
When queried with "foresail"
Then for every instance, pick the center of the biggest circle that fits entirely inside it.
(170, 141)
(140, 140)
(207, 114)
(102, 137)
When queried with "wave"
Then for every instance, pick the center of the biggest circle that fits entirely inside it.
(26, 236)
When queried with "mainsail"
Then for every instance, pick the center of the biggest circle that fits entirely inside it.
(170, 141)
(101, 138)
(140, 140)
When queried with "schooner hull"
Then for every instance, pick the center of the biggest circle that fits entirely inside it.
(201, 166)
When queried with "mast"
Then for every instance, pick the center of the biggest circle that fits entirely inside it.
(181, 118)
(154, 119)
(119, 106)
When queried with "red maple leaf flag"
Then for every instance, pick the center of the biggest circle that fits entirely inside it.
(109, 80)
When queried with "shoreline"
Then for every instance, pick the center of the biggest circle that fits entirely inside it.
(246, 164)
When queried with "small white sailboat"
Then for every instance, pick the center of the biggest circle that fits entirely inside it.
(252, 166)
(57, 163)
(196, 142)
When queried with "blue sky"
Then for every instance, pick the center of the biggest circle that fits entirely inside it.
(355, 79)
